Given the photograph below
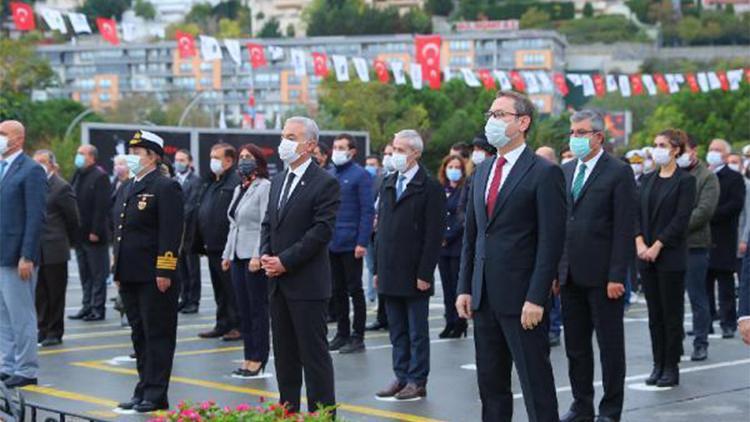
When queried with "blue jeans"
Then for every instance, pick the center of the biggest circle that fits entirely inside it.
(695, 284)
(18, 325)
(371, 292)
(410, 337)
(555, 316)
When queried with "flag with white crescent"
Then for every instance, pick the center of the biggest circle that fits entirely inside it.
(257, 55)
(185, 44)
(108, 30)
(381, 71)
(23, 16)
(428, 56)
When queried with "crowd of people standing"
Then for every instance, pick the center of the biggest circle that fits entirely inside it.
(522, 246)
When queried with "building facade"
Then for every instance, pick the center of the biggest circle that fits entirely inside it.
(100, 75)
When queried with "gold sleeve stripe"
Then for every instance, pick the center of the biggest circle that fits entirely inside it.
(166, 262)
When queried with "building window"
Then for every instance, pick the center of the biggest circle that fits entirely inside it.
(104, 97)
(105, 83)
(186, 67)
(532, 59)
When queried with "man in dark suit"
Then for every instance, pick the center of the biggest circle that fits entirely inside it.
(60, 227)
(723, 255)
(211, 236)
(189, 266)
(299, 224)
(513, 241)
(599, 247)
(23, 189)
(93, 193)
(411, 225)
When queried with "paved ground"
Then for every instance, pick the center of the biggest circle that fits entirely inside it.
(87, 374)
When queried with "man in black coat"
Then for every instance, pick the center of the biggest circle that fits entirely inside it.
(212, 227)
(411, 224)
(93, 189)
(60, 226)
(188, 269)
(723, 255)
(513, 241)
(148, 234)
(599, 247)
(295, 233)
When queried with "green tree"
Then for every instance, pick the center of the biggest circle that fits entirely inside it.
(229, 28)
(145, 9)
(270, 29)
(690, 29)
(605, 29)
(535, 18)
(190, 28)
(588, 10)
(354, 17)
(290, 31)
(105, 8)
(439, 7)
(21, 69)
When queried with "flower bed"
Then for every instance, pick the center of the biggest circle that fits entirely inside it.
(264, 412)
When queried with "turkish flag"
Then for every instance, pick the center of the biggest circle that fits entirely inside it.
(257, 55)
(108, 30)
(723, 80)
(251, 100)
(598, 84)
(487, 80)
(23, 16)
(428, 55)
(636, 84)
(661, 83)
(747, 75)
(320, 64)
(561, 84)
(381, 70)
(692, 82)
(517, 81)
(185, 44)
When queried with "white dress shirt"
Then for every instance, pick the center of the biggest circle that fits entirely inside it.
(298, 173)
(590, 164)
(139, 178)
(409, 175)
(511, 157)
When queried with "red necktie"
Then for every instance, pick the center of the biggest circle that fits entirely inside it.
(495, 185)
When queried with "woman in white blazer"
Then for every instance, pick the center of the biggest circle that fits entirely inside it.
(242, 256)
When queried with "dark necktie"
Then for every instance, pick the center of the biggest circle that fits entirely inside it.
(497, 178)
(287, 189)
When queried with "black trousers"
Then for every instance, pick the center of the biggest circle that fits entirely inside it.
(226, 305)
(665, 298)
(382, 315)
(300, 345)
(93, 269)
(346, 271)
(252, 301)
(189, 271)
(727, 300)
(588, 309)
(153, 321)
(500, 342)
(449, 267)
(50, 299)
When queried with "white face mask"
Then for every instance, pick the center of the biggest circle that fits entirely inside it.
(648, 165)
(340, 158)
(288, 151)
(735, 167)
(637, 169)
(400, 162)
(714, 158)
(3, 144)
(494, 130)
(661, 156)
(388, 163)
(216, 166)
(478, 157)
(684, 160)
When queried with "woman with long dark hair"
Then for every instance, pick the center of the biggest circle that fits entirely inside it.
(242, 256)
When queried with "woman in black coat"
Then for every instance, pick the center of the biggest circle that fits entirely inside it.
(666, 202)
(452, 176)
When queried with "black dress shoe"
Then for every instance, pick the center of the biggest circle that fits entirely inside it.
(727, 333)
(699, 353)
(655, 375)
(572, 416)
(94, 316)
(17, 381)
(190, 309)
(670, 377)
(49, 342)
(355, 345)
(80, 314)
(129, 405)
(148, 406)
(375, 326)
(337, 343)
(180, 305)
(211, 334)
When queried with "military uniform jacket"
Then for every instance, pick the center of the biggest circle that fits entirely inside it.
(148, 219)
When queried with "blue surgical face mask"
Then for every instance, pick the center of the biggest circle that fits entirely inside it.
(494, 130)
(134, 163)
(180, 167)
(453, 174)
(579, 146)
(372, 170)
(79, 161)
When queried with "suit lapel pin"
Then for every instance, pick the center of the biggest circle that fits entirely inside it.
(302, 183)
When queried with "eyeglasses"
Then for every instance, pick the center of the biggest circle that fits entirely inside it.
(499, 114)
(581, 133)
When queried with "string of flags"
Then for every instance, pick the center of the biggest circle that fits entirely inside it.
(424, 72)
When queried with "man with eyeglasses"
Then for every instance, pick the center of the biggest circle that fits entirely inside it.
(513, 241)
(599, 247)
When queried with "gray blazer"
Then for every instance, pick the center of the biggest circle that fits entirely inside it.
(243, 240)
